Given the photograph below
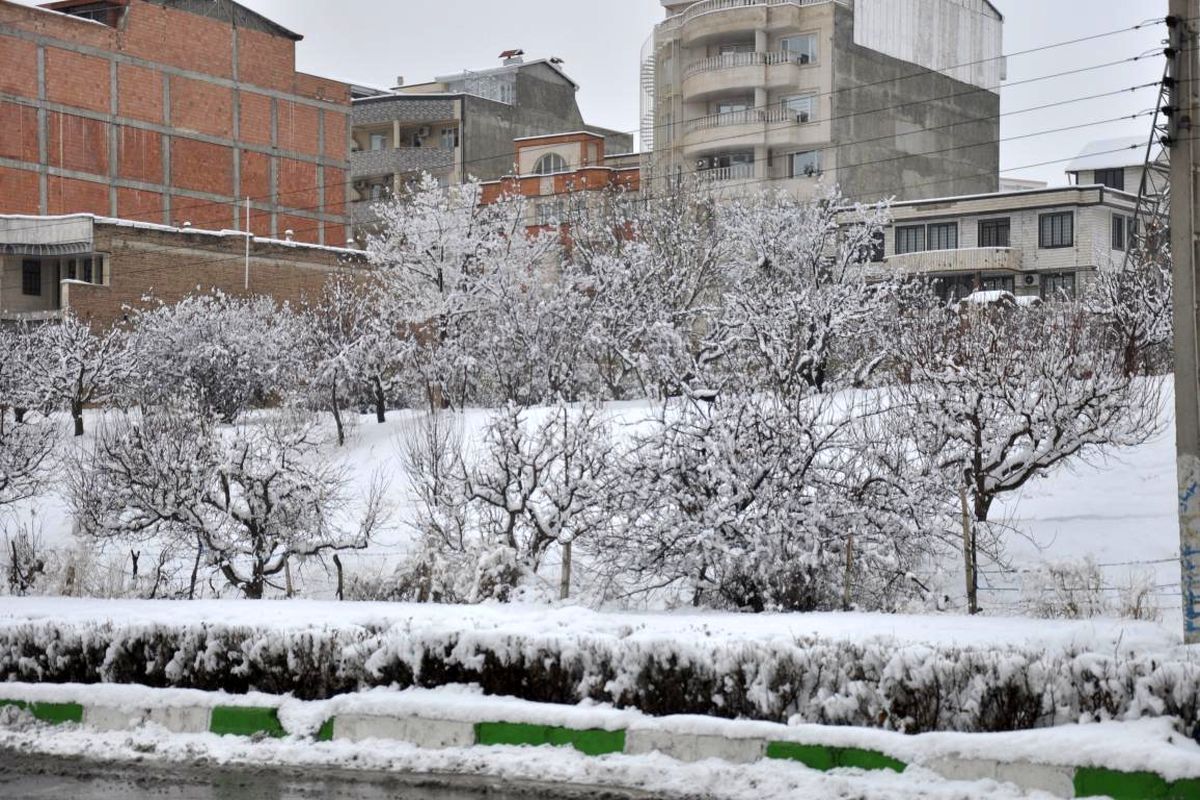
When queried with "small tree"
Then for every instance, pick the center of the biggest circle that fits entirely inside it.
(85, 366)
(998, 397)
(250, 499)
(1134, 302)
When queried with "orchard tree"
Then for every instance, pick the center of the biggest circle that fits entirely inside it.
(85, 366)
(998, 397)
(245, 501)
(1135, 302)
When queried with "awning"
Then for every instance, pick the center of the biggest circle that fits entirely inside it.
(59, 249)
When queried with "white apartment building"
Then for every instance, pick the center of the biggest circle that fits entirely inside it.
(1043, 243)
(885, 98)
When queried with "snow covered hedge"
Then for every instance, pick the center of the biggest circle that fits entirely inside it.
(878, 683)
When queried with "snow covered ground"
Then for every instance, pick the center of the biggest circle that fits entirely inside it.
(1121, 513)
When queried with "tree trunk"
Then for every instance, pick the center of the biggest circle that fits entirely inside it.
(380, 401)
(337, 416)
(77, 415)
(337, 562)
(564, 587)
(195, 570)
(849, 573)
(287, 577)
(969, 560)
(19, 415)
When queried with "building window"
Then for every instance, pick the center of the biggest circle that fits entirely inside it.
(31, 278)
(1112, 178)
(378, 191)
(549, 212)
(450, 138)
(801, 109)
(910, 239)
(1120, 229)
(952, 288)
(997, 283)
(550, 164)
(801, 49)
(732, 106)
(1058, 286)
(1056, 230)
(877, 251)
(379, 141)
(732, 48)
(943, 236)
(806, 165)
(994, 233)
(87, 271)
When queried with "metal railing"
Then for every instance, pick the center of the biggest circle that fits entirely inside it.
(734, 60)
(735, 172)
(711, 6)
(749, 116)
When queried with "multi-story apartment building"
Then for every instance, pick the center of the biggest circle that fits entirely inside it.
(1041, 243)
(171, 112)
(884, 98)
(460, 126)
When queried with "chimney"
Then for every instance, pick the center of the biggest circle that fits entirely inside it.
(511, 57)
(289, 235)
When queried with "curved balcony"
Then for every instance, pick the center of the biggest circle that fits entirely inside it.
(730, 72)
(712, 17)
(754, 127)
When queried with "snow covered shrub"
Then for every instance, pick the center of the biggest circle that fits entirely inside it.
(83, 366)
(1136, 598)
(24, 561)
(229, 354)
(1066, 589)
(246, 501)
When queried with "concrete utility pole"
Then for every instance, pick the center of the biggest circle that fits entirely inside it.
(1185, 223)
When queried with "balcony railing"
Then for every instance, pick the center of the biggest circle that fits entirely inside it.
(733, 60)
(735, 172)
(970, 260)
(749, 116)
(711, 6)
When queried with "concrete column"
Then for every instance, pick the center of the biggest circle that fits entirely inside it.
(761, 170)
(760, 41)
(396, 134)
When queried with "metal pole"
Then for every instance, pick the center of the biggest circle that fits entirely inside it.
(1184, 225)
(248, 235)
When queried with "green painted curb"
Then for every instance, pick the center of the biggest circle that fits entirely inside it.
(592, 742)
(245, 721)
(325, 734)
(1092, 782)
(820, 757)
(54, 713)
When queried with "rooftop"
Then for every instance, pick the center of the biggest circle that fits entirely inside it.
(1127, 151)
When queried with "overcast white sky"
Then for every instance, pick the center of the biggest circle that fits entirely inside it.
(374, 41)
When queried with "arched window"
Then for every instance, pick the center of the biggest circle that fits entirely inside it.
(550, 164)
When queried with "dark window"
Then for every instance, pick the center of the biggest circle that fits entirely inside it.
(955, 287)
(87, 270)
(910, 239)
(994, 232)
(31, 278)
(1112, 178)
(1056, 230)
(71, 269)
(1120, 230)
(997, 283)
(943, 236)
(1058, 286)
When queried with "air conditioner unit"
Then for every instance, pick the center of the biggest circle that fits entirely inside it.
(1031, 280)
(803, 58)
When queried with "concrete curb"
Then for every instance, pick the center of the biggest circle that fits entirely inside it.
(426, 731)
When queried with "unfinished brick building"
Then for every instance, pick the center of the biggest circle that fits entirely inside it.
(170, 112)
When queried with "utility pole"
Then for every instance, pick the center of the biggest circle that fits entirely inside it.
(1184, 112)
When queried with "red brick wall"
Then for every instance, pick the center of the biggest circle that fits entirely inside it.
(139, 205)
(163, 40)
(201, 107)
(201, 167)
(77, 80)
(20, 188)
(140, 93)
(69, 196)
(19, 138)
(139, 155)
(78, 143)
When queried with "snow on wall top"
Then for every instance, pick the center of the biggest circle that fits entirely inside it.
(1099, 154)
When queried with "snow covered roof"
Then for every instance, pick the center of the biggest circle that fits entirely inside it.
(1130, 151)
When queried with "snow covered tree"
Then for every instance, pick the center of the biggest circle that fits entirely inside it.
(799, 305)
(350, 351)
(24, 371)
(998, 397)
(26, 450)
(436, 250)
(1134, 300)
(232, 353)
(246, 501)
(85, 366)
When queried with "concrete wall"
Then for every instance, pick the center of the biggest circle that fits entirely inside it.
(904, 136)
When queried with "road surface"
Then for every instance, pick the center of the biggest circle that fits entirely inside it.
(37, 777)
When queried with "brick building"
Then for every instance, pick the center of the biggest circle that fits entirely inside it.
(549, 168)
(99, 267)
(170, 112)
